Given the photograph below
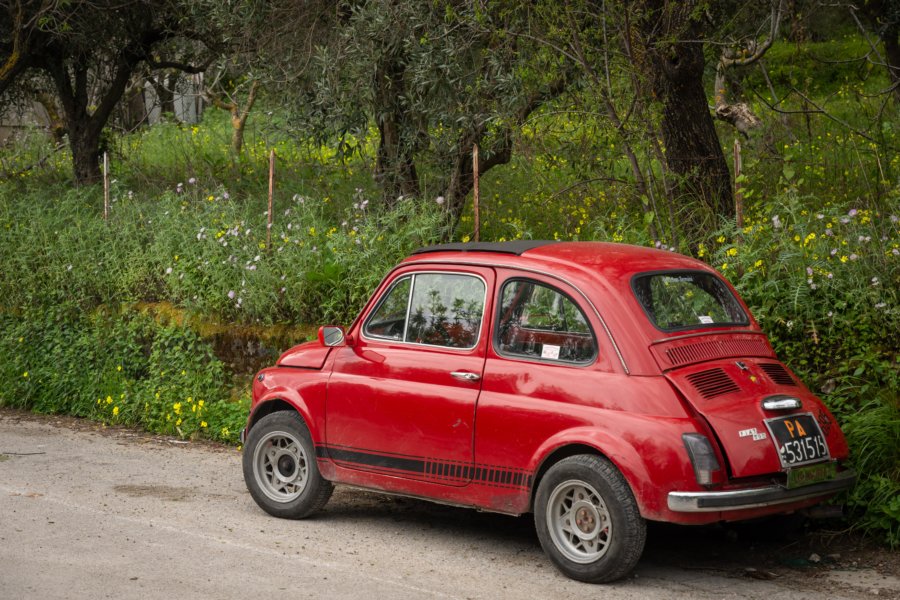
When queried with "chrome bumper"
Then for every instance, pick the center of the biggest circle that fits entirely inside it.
(757, 497)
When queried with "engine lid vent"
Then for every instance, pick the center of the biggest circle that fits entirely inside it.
(712, 383)
(716, 348)
(777, 373)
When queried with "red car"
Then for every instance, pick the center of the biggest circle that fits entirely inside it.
(596, 385)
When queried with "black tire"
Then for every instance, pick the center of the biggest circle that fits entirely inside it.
(280, 467)
(588, 521)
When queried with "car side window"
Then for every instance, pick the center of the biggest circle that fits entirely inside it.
(539, 321)
(435, 309)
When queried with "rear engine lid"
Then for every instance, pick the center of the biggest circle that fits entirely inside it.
(730, 394)
(694, 348)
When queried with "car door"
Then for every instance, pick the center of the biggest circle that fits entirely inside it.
(401, 399)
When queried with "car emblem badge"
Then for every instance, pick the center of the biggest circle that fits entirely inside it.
(752, 432)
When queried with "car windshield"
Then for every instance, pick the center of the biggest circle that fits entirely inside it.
(675, 300)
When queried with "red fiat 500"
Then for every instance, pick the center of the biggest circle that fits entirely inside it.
(596, 385)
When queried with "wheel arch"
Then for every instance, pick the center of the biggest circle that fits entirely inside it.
(622, 455)
(554, 457)
(278, 403)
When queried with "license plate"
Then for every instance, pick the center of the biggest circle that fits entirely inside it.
(798, 439)
(811, 474)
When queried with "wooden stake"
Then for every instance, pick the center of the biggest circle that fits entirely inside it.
(475, 199)
(738, 192)
(105, 187)
(271, 196)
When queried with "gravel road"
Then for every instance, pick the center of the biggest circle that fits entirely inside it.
(94, 512)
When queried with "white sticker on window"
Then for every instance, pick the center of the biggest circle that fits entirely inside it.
(706, 319)
(550, 351)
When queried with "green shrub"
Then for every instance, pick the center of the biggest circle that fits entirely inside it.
(824, 284)
(119, 368)
(203, 250)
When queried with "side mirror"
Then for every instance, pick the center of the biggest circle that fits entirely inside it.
(331, 336)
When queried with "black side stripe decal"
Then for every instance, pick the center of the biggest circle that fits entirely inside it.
(429, 469)
(376, 460)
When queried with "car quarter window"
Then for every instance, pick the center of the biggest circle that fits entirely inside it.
(389, 319)
(539, 321)
(436, 309)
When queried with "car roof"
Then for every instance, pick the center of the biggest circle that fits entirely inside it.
(517, 247)
(609, 260)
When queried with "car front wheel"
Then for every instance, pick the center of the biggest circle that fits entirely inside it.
(588, 521)
(280, 467)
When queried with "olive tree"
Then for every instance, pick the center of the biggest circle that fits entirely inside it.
(86, 52)
(433, 80)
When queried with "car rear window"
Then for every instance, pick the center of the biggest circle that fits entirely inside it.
(675, 300)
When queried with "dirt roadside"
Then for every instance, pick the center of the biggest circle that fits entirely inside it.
(88, 511)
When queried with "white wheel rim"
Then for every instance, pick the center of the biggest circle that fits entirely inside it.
(579, 522)
(280, 466)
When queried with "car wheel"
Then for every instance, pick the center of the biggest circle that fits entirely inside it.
(588, 521)
(280, 467)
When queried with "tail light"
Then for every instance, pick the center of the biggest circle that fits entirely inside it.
(702, 456)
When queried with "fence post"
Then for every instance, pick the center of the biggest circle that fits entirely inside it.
(105, 187)
(475, 199)
(738, 192)
(271, 196)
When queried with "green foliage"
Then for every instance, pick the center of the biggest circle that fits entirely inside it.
(873, 432)
(119, 368)
(824, 282)
(203, 250)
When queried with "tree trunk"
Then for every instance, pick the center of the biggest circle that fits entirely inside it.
(134, 108)
(55, 123)
(395, 167)
(85, 146)
(891, 38)
(164, 87)
(693, 151)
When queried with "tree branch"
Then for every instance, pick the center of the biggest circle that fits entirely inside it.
(739, 114)
(180, 66)
(9, 69)
(818, 110)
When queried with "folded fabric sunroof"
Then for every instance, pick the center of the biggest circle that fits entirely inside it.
(516, 247)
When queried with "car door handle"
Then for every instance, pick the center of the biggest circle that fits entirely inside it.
(465, 376)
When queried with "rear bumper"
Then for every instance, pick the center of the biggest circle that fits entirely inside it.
(757, 497)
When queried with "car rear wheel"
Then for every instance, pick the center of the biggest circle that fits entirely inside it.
(588, 521)
(280, 467)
